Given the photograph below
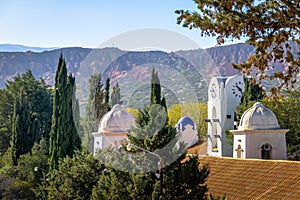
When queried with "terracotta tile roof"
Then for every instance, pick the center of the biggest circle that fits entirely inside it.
(199, 148)
(253, 178)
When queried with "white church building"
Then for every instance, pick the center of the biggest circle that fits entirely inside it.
(257, 136)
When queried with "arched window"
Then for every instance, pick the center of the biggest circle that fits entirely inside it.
(266, 150)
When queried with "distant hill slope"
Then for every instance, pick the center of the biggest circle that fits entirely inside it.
(22, 48)
(43, 65)
(218, 59)
(195, 66)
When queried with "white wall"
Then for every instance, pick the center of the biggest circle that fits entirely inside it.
(224, 105)
(239, 140)
(251, 142)
(276, 138)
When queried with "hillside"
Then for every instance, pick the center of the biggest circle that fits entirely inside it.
(184, 74)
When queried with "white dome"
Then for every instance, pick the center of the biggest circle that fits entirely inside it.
(116, 120)
(258, 117)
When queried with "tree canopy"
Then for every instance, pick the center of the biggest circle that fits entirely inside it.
(26, 109)
(94, 111)
(271, 26)
(116, 95)
(64, 138)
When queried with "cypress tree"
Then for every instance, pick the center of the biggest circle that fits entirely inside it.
(19, 143)
(98, 96)
(95, 109)
(116, 95)
(106, 99)
(155, 96)
(31, 116)
(64, 139)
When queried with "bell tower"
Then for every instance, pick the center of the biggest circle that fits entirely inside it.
(224, 95)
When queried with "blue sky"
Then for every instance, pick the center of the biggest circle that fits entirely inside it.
(88, 23)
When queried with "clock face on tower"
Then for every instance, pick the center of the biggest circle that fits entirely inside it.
(237, 89)
(213, 91)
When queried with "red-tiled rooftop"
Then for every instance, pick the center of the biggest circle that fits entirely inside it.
(253, 178)
(199, 148)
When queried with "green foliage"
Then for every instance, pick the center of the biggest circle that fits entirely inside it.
(268, 25)
(11, 188)
(6, 110)
(185, 180)
(20, 130)
(95, 109)
(153, 133)
(155, 96)
(21, 182)
(229, 137)
(253, 92)
(116, 95)
(27, 163)
(217, 197)
(128, 175)
(113, 185)
(74, 178)
(26, 109)
(76, 113)
(286, 110)
(106, 98)
(98, 96)
(64, 139)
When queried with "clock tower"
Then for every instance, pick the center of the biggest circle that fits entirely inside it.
(224, 95)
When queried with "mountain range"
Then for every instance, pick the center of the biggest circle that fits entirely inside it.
(22, 48)
(184, 75)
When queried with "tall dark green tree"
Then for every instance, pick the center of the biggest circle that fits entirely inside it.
(100, 96)
(20, 131)
(76, 113)
(64, 139)
(94, 110)
(26, 112)
(6, 110)
(153, 120)
(155, 96)
(106, 89)
(116, 95)
(253, 92)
